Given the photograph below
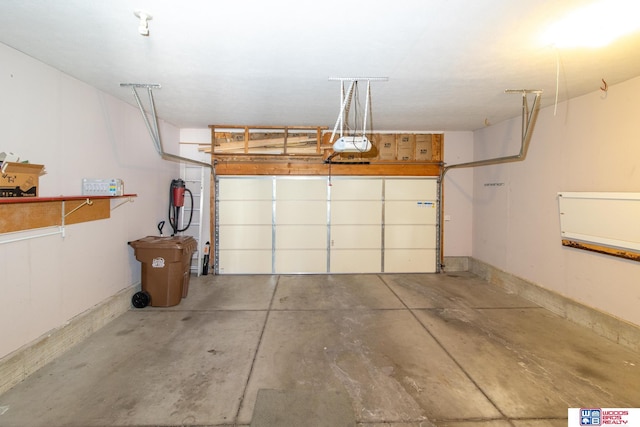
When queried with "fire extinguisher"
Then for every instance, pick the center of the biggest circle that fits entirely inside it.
(176, 202)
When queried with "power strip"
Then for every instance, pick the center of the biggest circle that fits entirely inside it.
(102, 187)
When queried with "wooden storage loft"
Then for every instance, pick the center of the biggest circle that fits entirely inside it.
(303, 150)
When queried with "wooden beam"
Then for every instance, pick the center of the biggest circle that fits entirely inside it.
(309, 168)
(259, 143)
(620, 253)
(212, 127)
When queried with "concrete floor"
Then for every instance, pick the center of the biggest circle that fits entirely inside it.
(405, 350)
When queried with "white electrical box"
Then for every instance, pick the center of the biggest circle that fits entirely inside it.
(102, 187)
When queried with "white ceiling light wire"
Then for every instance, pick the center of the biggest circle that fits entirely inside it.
(555, 105)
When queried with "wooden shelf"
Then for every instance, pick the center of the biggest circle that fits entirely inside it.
(26, 213)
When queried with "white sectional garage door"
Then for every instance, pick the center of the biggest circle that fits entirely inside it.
(267, 225)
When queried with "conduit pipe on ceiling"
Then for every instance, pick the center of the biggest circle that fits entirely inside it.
(528, 121)
(152, 126)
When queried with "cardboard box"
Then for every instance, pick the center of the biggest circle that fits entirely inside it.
(20, 179)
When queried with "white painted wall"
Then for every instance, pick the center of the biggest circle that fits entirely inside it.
(76, 131)
(591, 144)
(190, 140)
(458, 195)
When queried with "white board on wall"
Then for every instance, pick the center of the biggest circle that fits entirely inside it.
(609, 219)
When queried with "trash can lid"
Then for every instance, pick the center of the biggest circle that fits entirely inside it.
(158, 242)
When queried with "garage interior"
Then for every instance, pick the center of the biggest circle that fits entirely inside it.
(475, 264)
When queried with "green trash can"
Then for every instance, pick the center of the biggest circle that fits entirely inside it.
(166, 265)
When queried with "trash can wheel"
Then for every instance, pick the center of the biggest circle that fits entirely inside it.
(140, 299)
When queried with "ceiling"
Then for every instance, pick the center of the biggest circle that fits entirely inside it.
(258, 62)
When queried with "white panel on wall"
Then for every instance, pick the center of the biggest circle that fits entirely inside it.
(609, 219)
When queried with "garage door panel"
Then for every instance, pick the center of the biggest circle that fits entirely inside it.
(301, 189)
(372, 221)
(245, 237)
(411, 189)
(409, 236)
(245, 189)
(356, 261)
(410, 261)
(410, 212)
(301, 261)
(301, 212)
(356, 212)
(245, 261)
(356, 189)
(245, 212)
(356, 237)
(301, 237)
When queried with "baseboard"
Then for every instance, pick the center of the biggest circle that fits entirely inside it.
(18, 365)
(455, 263)
(604, 324)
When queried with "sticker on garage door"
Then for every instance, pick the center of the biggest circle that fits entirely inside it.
(157, 263)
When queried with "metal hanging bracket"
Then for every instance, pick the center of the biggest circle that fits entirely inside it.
(128, 200)
(87, 202)
(528, 120)
(152, 126)
(346, 98)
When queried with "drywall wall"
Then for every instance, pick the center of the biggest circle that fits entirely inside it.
(458, 195)
(590, 144)
(190, 140)
(76, 131)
